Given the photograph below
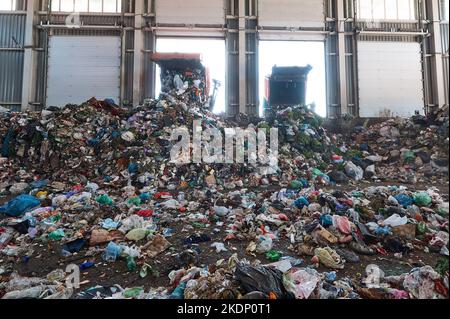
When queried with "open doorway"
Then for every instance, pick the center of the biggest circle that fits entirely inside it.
(295, 53)
(213, 56)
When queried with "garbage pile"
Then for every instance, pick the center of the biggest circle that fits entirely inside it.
(310, 236)
(93, 186)
(404, 150)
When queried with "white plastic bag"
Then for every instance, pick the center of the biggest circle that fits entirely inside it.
(301, 282)
(395, 220)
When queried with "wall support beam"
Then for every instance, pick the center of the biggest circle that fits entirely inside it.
(138, 52)
(29, 60)
(242, 58)
(438, 79)
(340, 6)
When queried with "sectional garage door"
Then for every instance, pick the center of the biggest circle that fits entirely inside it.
(390, 79)
(291, 13)
(190, 12)
(83, 67)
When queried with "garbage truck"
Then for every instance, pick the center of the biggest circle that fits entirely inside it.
(285, 87)
(188, 67)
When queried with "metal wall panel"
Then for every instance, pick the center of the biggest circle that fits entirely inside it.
(445, 46)
(12, 35)
(190, 12)
(82, 67)
(291, 13)
(11, 74)
(390, 79)
(12, 26)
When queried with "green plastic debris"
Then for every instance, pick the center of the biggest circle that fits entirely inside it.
(136, 201)
(296, 184)
(131, 263)
(104, 200)
(273, 255)
(192, 184)
(316, 172)
(357, 194)
(133, 292)
(422, 199)
(409, 156)
(441, 211)
(56, 235)
(55, 218)
(442, 266)
(422, 228)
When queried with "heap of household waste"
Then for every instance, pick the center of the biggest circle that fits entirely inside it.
(404, 150)
(93, 187)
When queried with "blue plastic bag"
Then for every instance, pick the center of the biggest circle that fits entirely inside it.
(301, 202)
(19, 205)
(326, 220)
(404, 200)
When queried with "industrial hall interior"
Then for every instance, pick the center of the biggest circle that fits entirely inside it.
(224, 149)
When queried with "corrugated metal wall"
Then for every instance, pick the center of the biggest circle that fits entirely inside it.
(12, 36)
(12, 26)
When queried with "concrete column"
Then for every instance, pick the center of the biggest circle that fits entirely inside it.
(29, 60)
(340, 6)
(138, 54)
(242, 58)
(437, 55)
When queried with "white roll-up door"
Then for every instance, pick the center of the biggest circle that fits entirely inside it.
(190, 12)
(390, 79)
(291, 13)
(82, 67)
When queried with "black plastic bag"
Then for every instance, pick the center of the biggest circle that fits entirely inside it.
(262, 279)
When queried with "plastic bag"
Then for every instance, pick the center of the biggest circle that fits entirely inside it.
(19, 205)
(342, 223)
(301, 282)
(404, 200)
(395, 220)
(329, 258)
(422, 199)
(30, 293)
(264, 245)
(263, 279)
(219, 247)
(353, 171)
(104, 200)
(137, 234)
(110, 224)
